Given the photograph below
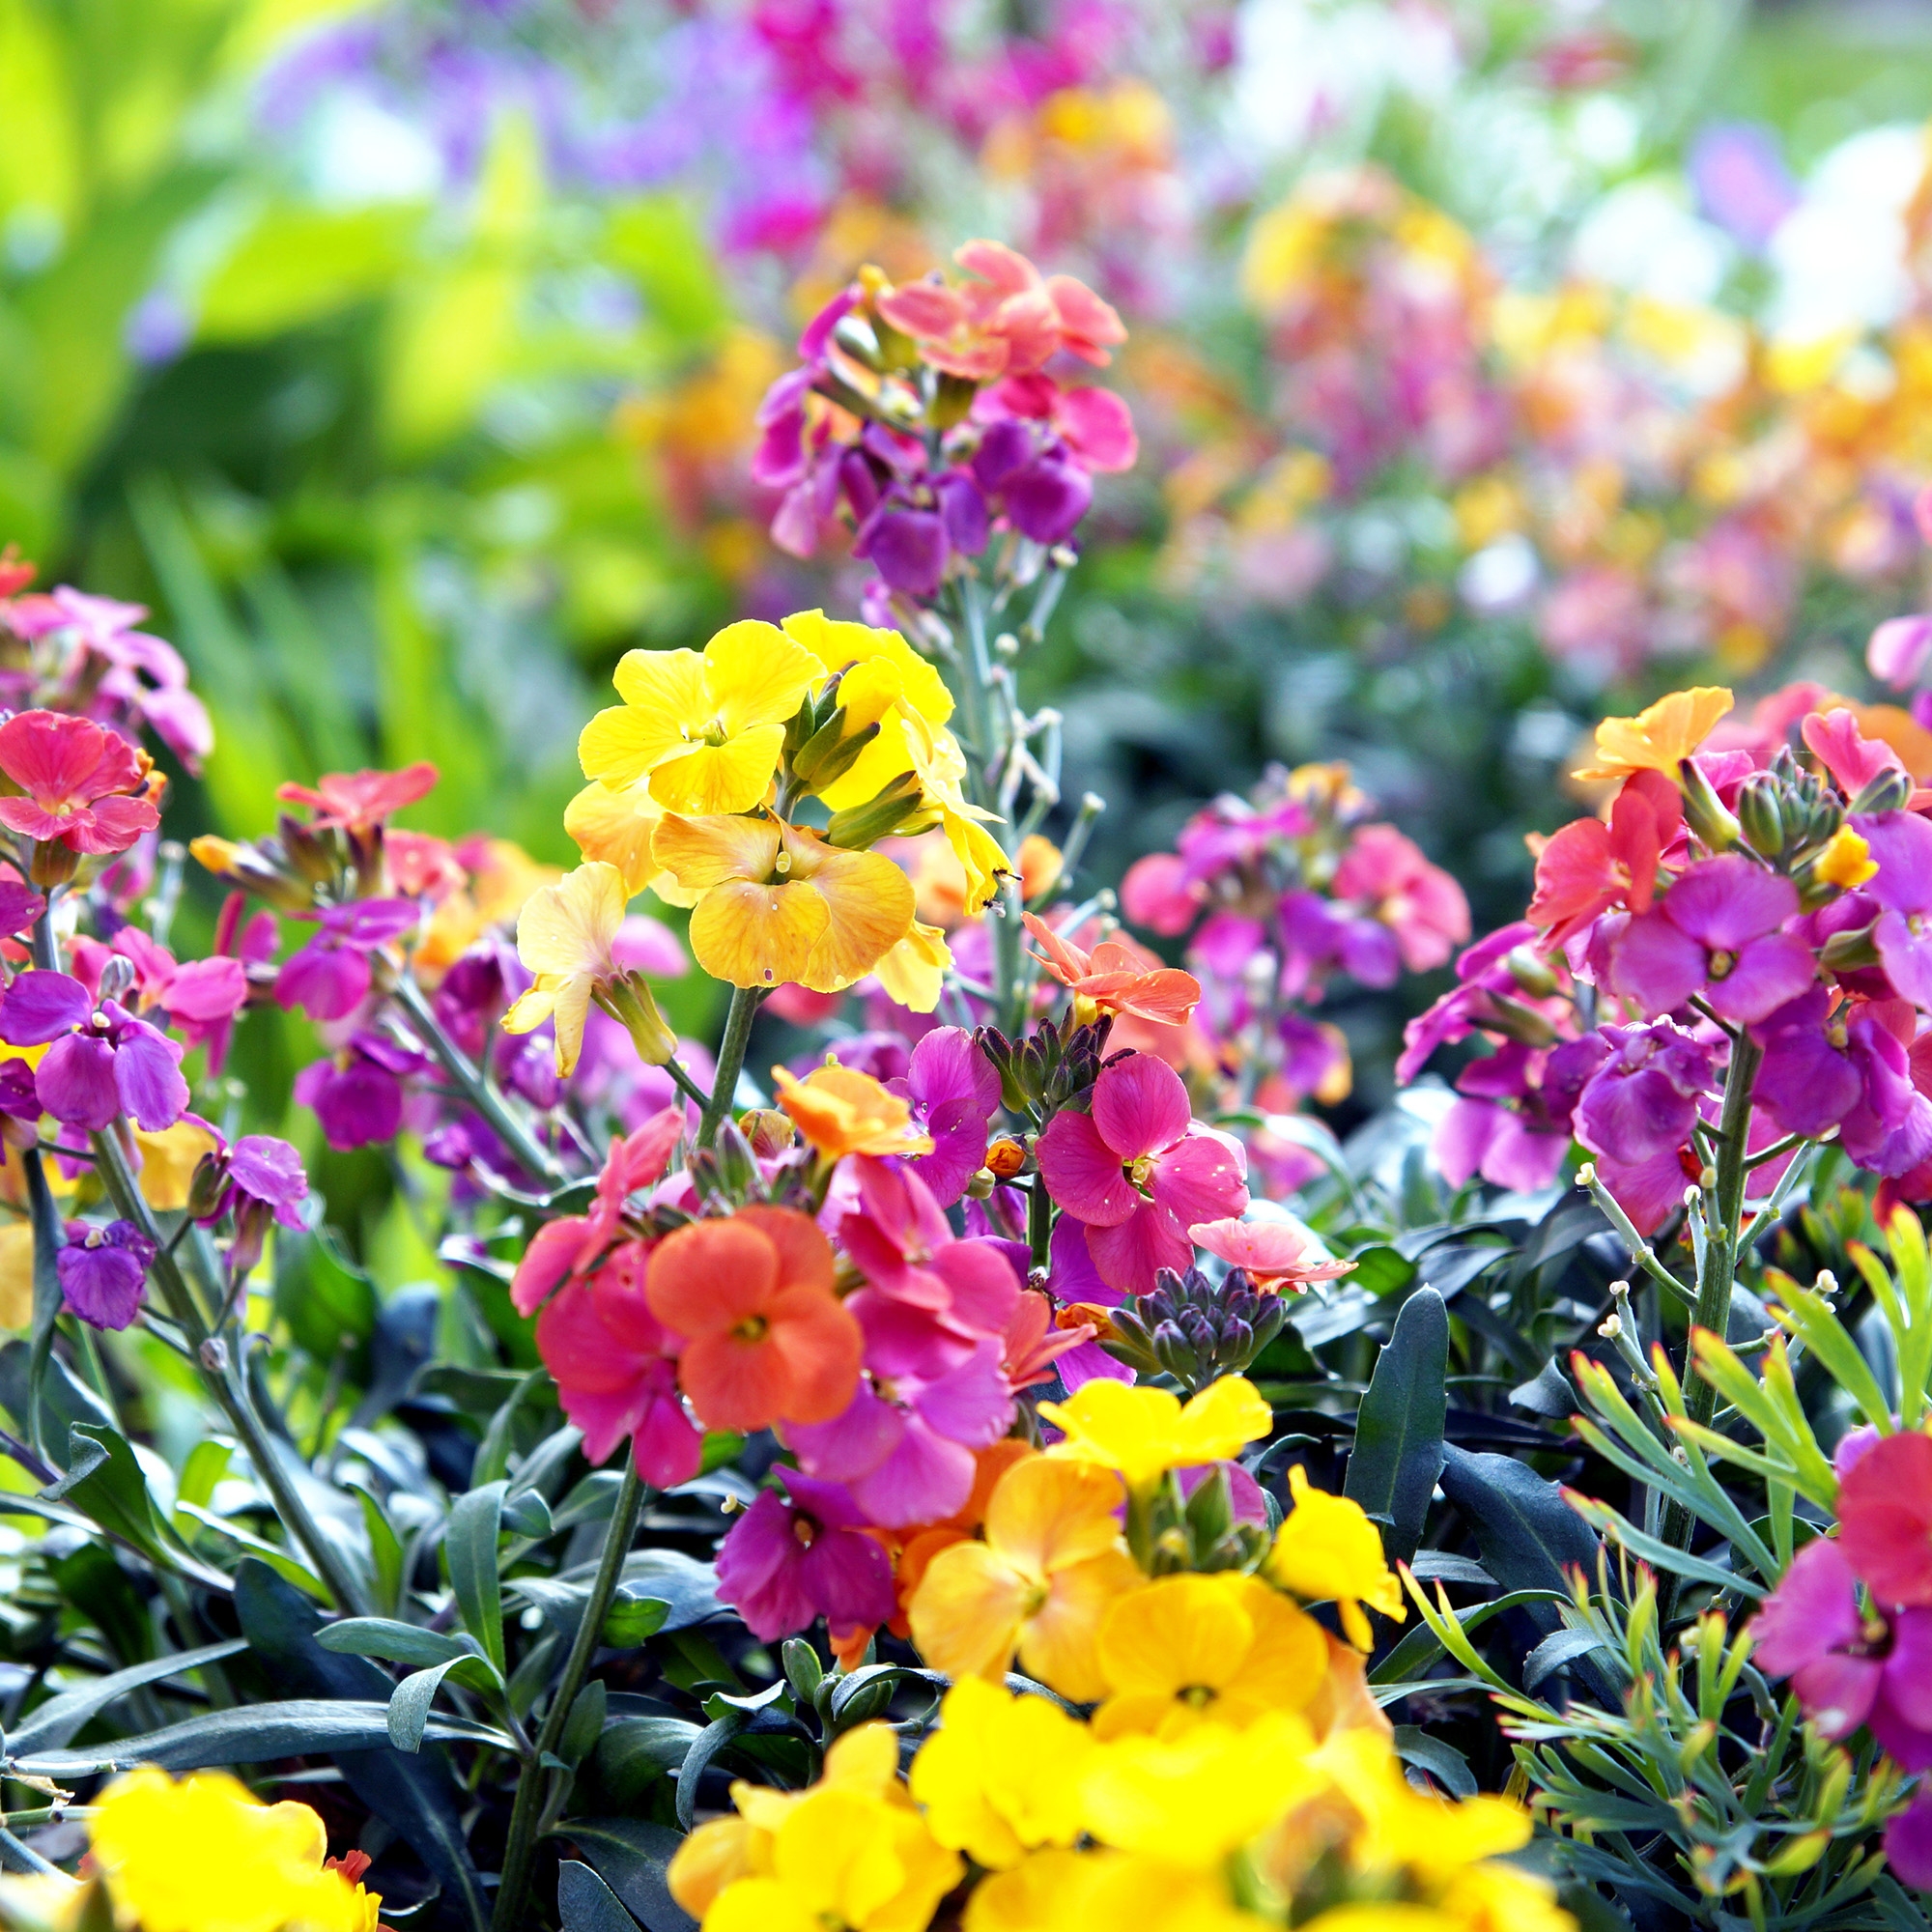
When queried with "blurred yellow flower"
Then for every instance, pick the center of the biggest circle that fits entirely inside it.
(1329, 1550)
(17, 1274)
(1079, 1891)
(1002, 1774)
(564, 936)
(1188, 1650)
(913, 973)
(169, 1159)
(203, 1853)
(839, 1111)
(707, 731)
(1846, 860)
(1659, 739)
(1040, 1584)
(777, 902)
(1142, 1433)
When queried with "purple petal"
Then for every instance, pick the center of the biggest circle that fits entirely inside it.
(1047, 498)
(76, 1082)
(1901, 843)
(147, 1069)
(1768, 974)
(1656, 963)
(40, 1007)
(907, 548)
(1725, 902)
(972, 1403)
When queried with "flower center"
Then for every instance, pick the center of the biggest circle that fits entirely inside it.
(753, 1328)
(1140, 1171)
(1722, 964)
(1196, 1697)
(1035, 1599)
(804, 1532)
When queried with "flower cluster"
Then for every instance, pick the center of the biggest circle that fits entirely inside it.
(1850, 1621)
(1281, 894)
(1232, 1752)
(936, 415)
(1743, 917)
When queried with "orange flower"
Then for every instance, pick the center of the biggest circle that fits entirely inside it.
(843, 1111)
(1117, 978)
(1657, 740)
(766, 1339)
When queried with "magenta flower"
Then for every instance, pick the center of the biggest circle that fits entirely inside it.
(921, 1277)
(1847, 1069)
(1908, 1841)
(1885, 1524)
(357, 1094)
(1808, 1081)
(74, 778)
(1385, 876)
(953, 1090)
(101, 1063)
(1901, 842)
(263, 1181)
(1508, 1124)
(1899, 650)
(1481, 972)
(103, 1271)
(330, 977)
(1138, 1171)
(792, 1558)
(1643, 1099)
(1846, 1672)
(1716, 932)
(1072, 1277)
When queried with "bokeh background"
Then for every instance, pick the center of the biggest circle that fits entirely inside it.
(1495, 365)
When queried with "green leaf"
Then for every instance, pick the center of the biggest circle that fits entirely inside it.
(629, 1855)
(584, 1903)
(385, 1547)
(51, 1724)
(1561, 1647)
(299, 264)
(394, 1642)
(470, 1549)
(206, 1465)
(493, 1454)
(249, 1734)
(104, 1479)
(410, 1703)
(1398, 1452)
(704, 1746)
(634, 1753)
(581, 1729)
(1442, 1761)
(632, 1618)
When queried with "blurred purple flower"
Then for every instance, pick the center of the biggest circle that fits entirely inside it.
(103, 1271)
(1737, 174)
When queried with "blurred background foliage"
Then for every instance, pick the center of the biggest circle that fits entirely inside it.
(404, 359)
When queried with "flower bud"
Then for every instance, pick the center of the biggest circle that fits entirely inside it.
(1004, 1158)
(831, 752)
(861, 826)
(1704, 811)
(1758, 815)
(1849, 952)
(770, 1132)
(1889, 791)
(629, 1000)
(1531, 972)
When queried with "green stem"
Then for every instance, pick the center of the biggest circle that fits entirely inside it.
(1039, 1222)
(745, 1004)
(218, 1372)
(532, 1787)
(1720, 1254)
(476, 1087)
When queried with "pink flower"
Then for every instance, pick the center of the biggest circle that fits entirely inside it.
(1885, 1518)
(792, 1558)
(1159, 894)
(1899, 650)
(76, 779)
(1140, 1171)
(360, 801)
(1271, 1253)
(1387, 878)
(616, 1369)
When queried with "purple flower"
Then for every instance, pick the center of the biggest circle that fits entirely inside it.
(101, 1271)
(328, 978)
(1901, 842)
(357, 1094)
(1741, 181)
(101, 1063)
(790, 1560)
(1503, 1127)
(1890, 1130)
(1846, 1674)
(265, 1182)
(1908, 1841)
(906, 547)
(1643, 1100)
(1047, 498)
(1716, 932)
(953, 1090)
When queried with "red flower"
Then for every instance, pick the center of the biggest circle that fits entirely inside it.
(76, 779)
(1885, 1519)
(1589, 866)
(360, 801)
(1118, 978)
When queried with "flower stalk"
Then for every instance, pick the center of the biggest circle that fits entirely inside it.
(744, 1010)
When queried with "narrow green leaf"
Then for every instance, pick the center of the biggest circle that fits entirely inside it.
(706, 1745)
(1442, 1761)
(1398, 1452)
(409, 1704)
(584, 1903)
(51, 1724)
(470, 1549)
(394, 1642)
(629, 1855)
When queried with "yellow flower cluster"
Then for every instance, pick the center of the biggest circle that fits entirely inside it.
(1217, 1829)
(199, 1856)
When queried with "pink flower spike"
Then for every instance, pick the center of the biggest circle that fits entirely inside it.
(76, 777)
(1899, 650)
(1269, 1252)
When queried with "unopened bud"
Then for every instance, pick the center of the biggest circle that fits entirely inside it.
(1850, 951)
(770, 1132)
(1531, 972)
(1004, 1158)
(629, 1000)
(1889, 791)
(1611, 1327)
(1704, 811)
(1759, 815)
(887, 811)
(207, 1186)
(831, 752)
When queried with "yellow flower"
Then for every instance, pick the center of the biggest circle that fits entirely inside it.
(865, 1759)
(204, 1853)
(886, 683)
(1400, 1828)
(1142, 1433)
(1188, 1650)
(778, 903)
(1846, 860)
(617, 826)
(1080, 1891)
(43, 1902)
(168, 1161)
(17, 1274)
(843, 1111)
(914, 972)
(1659, 739)
(1051, 1565)
(1193, 1800)
(841, 1858)
(1001, 1774)
(563, 936)
(1329, 1550)
(707, 731)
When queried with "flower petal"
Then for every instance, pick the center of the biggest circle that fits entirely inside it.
(757, 935)
(732, 777)
(1140, 1107)
(756, 675)
(701, 852)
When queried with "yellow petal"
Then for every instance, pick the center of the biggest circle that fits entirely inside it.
(732, 777)
(624, 744)
(617, 826)
(1659, 738)
(1177, 1634)
(1059, 1641)
(752, 935)
(168, 1161)
(887, 757)
(532, 1008)
(914, 972)
(837, 644)
(16, 1275)
(573, 1004)
(1045, 1514)
(703, 852)
(981, 854)
(868, 691)
(670, 687)
(966, 1611)
(568, 928)
(868, 904)
(756, 675)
